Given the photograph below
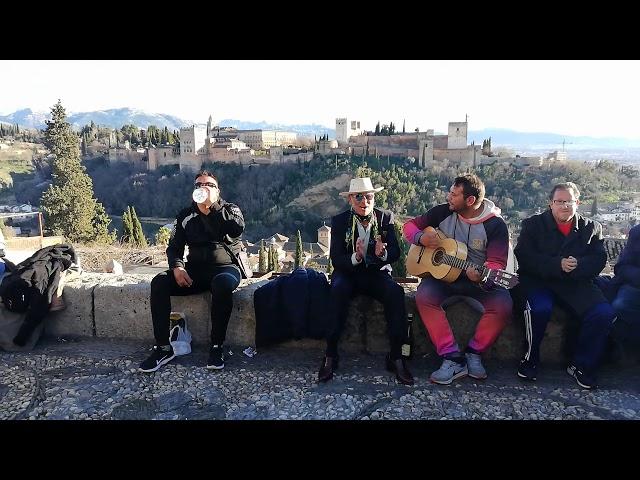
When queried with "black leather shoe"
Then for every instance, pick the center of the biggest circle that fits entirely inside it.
(399, 367)
(329, 364)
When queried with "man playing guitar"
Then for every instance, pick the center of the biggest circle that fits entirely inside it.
(475, 221)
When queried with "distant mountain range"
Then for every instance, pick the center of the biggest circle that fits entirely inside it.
(117, 117)
(307, 130)
(113, 118)
(519, 141)
(549, 141)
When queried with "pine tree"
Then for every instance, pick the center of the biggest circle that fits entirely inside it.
(262, 256)
(127, 226)
(297, 262)
(69, 206)
(138, 235)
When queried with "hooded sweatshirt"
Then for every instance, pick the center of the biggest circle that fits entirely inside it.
(486, 236)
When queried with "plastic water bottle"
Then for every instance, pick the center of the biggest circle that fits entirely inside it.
(199, 195)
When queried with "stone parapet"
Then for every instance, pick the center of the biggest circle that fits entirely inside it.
(117, 306)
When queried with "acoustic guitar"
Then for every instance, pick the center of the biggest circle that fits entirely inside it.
(447, 262)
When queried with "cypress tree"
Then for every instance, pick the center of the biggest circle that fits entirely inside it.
(163, 236)
(262, 255)
(138, 235)
(127, 226)
(69, 206)
(399, 266)
(297, 262)
(276, 263)
(330, 267)
(270, 266)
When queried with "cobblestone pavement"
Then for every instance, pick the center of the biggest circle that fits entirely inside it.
(98, 379)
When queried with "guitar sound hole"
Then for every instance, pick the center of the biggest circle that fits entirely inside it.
(437, 257)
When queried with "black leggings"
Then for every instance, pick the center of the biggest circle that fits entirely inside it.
(221, 281)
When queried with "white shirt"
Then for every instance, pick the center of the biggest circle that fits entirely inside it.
(364, 233)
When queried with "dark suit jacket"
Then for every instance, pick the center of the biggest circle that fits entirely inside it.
(292, 306)
(341, 250)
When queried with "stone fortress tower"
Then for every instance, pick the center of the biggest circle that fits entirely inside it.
(457, 135)
(324, 236)
(346, 129)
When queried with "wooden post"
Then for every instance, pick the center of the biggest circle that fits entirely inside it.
(41, 232)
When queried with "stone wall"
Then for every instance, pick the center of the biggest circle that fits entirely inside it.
(107, 305)
(161, 156)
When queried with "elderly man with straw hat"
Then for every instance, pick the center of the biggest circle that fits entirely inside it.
(363, 245)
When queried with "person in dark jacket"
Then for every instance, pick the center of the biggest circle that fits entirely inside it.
(31, 285)
(560, 253)
(623, 291)
(363, 245)
(212, 230)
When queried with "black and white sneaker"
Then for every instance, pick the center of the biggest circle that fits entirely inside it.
(158, 358)
(586, 381)
(527, 370)
(216, 358)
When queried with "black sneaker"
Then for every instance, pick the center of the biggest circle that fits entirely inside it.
(158, 358)
(527, 370)
(586, 381)
(216, 358)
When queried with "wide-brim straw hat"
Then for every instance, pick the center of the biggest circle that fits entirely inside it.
(360, 185)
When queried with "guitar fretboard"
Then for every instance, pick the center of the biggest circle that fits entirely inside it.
(462, 264)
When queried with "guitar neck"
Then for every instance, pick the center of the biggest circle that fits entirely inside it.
(462, 264)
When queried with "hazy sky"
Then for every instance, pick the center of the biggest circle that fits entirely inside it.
(594, 98)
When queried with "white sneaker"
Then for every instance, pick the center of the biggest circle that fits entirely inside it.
(474, 365)
(448, 372)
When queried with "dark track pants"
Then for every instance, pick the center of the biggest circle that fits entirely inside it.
(595, 326)
(221, 281)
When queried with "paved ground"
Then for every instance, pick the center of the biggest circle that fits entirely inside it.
(98, 379)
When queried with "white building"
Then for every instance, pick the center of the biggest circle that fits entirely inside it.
(346, 129)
